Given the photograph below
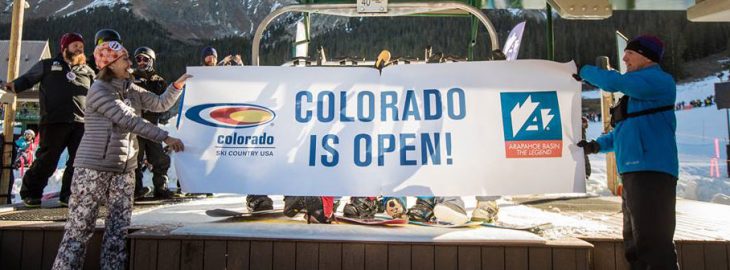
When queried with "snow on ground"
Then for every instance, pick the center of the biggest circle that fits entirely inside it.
(697, 130)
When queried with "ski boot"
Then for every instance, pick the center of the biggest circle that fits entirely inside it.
(32, 203)
(395, 207)
(450, 210)
(163, 194)
(142, 192)
(316, 209)
(422, 211)
(256, 203)
(361, 208)
(486, 211)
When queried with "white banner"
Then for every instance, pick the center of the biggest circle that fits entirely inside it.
(474, 128)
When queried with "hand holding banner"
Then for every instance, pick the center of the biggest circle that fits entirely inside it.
(475, 128)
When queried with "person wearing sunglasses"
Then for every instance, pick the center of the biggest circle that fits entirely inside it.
(147, 77)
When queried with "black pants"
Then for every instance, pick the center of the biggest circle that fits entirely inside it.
(649, 200)
(159, 160)
(54, 138)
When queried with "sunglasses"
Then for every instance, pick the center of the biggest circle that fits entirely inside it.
(142, 59)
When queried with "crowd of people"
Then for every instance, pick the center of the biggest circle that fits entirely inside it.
(696, 103)
(107, 118)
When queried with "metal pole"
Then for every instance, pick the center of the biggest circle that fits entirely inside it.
(727, 118)
(350, 10)
(550, 33)
(727, 146)
(16, 34)
(473, 39)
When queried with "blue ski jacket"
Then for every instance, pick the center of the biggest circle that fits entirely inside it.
(647, 142)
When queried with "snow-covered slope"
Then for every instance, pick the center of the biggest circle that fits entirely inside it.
(697, 130)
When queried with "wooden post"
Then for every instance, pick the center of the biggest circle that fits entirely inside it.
(607, 100)
(16, 34)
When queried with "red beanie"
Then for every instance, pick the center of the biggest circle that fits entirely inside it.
(69, 38)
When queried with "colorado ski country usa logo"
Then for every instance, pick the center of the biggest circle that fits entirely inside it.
(230, 115)
(532, 126)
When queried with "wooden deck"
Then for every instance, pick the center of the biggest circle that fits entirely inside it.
(702, 238)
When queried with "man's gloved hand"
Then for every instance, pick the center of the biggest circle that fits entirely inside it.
(580, 79)
(591, 147)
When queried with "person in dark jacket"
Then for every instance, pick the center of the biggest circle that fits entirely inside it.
(209, 57)
(107, 158)
(146, 77)
(64, 81)
(646, 151)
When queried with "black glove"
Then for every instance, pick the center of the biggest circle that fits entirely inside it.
(580, 79)
(591, 147)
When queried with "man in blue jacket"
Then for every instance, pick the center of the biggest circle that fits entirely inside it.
(646, 151)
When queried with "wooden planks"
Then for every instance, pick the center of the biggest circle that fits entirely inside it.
(262, 255)
(93, 251)
(238, 255)
(493, 258)
(51, 241)
(376, 256)
(446, 257)
(168, 254)
(11, 249)
(192, 253)
(716, 256)
(353, 256)
(422, 257)
(541, 258)
(307, 255)
(399, 257)
(692, 255)
(330, 256)
(285, 255)
(32, 245)
(469, 258)
(516, 258)
(214, 254)
(144, 254)
(36, 249)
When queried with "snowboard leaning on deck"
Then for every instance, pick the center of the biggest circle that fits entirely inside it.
(372, 222)
(446, 225)
(230, 213)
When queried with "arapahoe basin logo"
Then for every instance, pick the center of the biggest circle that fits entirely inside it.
(230, 115)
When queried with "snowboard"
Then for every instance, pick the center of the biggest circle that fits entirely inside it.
(155, 201)
(372, 222)
(447, 225)
(536, 229)
(219, 212)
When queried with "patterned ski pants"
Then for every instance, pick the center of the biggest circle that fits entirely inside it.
(89, 189)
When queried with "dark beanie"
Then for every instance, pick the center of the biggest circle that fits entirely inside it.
(69, 38)
(208, 51)
(649, 46)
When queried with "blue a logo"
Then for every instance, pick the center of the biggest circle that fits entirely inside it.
(531, 116)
